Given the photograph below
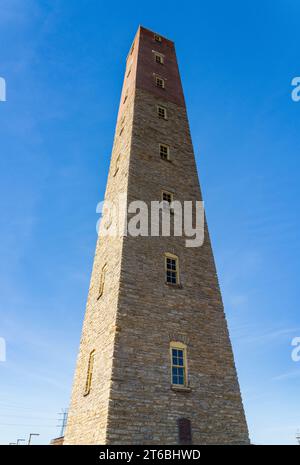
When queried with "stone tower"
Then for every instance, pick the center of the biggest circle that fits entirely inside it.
(155, 363)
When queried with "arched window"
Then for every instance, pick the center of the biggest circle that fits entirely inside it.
(184, 431)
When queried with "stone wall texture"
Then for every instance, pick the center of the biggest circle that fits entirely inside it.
(130, 327)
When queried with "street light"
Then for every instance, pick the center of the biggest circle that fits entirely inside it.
(18, 440)
(30, 436)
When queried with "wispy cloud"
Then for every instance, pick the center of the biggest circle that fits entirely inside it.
(15, 11)
(288, 375)
(250, 334)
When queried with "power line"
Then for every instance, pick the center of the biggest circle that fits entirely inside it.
(17, 407)
(28, 416)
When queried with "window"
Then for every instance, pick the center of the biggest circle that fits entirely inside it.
(117, 163)
(164, 151)
(162, 112)
(89, 375)
(171, 269)
(129, 72)
(178, 364)
(167, 197)
(102, 281)
(125, 98)
(159, 82)
(157, 38)
(184, 431)
(122, 129)
(159, 58)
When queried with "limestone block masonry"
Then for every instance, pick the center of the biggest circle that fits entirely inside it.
(130, 326)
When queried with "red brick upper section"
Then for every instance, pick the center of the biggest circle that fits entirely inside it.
(147, 68)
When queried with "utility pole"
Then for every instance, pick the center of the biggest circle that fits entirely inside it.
(63, 421)
(19, 440)
(30, 436)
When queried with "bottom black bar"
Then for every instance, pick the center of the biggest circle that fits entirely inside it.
(146, 454)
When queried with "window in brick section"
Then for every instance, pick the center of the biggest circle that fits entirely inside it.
(171, 269)
(102, 281)
(159, 82)
(89, 375)
(159, 58)
(117, 165)
(162, 112)
(164, 151)
(157, 38)
(184, 431)
(178, 364)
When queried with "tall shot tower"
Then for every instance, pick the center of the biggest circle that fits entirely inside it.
(155, 363)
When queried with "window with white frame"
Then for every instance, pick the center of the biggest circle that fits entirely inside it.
(164, 151)
(162, 112)
(171, 269)
(178, 364)
(159, 58)
(167, 197)
(159, 82)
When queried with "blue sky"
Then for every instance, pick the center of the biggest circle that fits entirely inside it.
(63, 62)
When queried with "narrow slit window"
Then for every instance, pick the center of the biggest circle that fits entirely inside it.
(102, 281)
(122, 121)
(117, 164)
(172, 269)
(88, 383)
